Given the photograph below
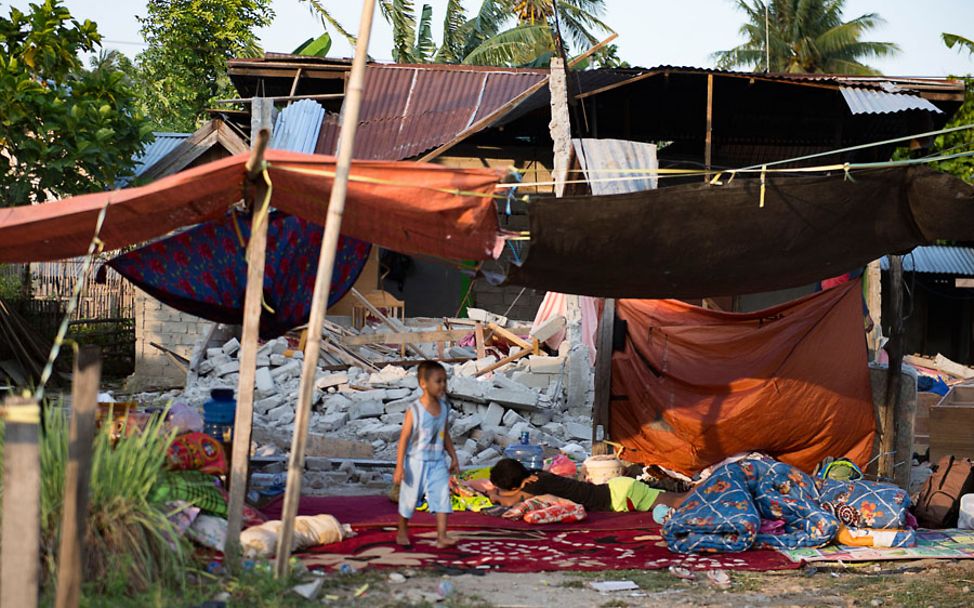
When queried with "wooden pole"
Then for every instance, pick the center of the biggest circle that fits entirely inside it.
(887, 445)
(707, 150)
(603, 378)
(874, 303)
(20, 543)
(84, 404)
(256, 249)
(319, 300)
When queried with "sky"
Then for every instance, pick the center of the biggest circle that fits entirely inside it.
(651, 32)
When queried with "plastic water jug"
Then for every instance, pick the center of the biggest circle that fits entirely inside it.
(219, 412)
(531, 456)
(965, 518)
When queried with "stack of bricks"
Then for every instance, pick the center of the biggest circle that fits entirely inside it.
(177, 331)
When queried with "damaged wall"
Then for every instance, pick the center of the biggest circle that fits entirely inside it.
(178, 331)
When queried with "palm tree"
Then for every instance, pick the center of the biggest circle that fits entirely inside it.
(962, 44)
(805, 36)
(500, 32)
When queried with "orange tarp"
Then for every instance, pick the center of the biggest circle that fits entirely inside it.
(403, 206)
(694, 386)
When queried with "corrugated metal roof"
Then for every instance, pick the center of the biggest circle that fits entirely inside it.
(938, 259)
(598, 158)
(297, 126)
(163, 144)
(864, 101)
(408, 110)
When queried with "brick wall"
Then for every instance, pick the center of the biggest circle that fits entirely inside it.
(156, 322)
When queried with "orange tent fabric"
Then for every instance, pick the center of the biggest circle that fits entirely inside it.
(694, 386)
(410, 207)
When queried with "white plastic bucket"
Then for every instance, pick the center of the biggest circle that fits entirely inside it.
(600, 469)
(965, 519)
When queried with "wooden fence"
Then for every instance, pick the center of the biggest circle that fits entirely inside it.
(55, 281)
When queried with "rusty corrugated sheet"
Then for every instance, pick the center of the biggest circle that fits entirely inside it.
(408, 110)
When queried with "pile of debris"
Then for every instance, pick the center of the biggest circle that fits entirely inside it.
(363, 389)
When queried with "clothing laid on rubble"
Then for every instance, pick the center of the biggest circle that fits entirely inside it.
(724, 514)
(425, 472)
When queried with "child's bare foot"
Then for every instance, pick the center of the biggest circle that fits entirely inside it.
(403, 540)
(444, 542)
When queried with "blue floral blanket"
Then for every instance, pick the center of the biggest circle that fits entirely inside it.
(724, 513)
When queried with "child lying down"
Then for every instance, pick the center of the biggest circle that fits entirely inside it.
(515, 483)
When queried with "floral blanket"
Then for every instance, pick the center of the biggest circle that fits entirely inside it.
(724, 514)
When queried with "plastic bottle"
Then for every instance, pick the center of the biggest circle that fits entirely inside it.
(219, 412)
(531, 456)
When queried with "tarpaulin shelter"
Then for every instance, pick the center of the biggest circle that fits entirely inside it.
(410, 207)
(693, 386)
(743, 237)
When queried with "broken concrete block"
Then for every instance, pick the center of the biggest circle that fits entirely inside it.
(365, 430)
(265, 405)
(228, 368)
(279, 346)
(467, 389)
(205, 367)
(479, 314)
(337, 403)
(551, 440)
(332, 422)
(213, 353)
(576, 430)
(470, 368)
(511, 418)
(317, 463)
(288, 370)
(466, 424)
(470, 446)
(398, 407)
(549, 328)
(389, 375)
(488, 455)
(263, 361)
(366, 409)
(397, 418)
(463, 457)
(231, 346)
(467, 408)
(545, 365)
(265, 382)
(554, 428)
(329, 380)
(386, 432)
(282, 414)
(393, 394)
(521, 399)
(541, 418)
(278, 360)
(532, 379)
(378, 394)
(521, 427)
(494, 415)
(409, 382)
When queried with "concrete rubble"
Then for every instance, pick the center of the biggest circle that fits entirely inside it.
(360, 399)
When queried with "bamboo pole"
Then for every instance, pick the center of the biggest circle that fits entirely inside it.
(708, 146)
(84, 404)
(256, 249)
(319, 300)
(890, 407)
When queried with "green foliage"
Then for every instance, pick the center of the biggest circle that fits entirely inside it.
(805, 36)
(501, 32)
(315, 47)
(130, 544)
(64, 129)
(962, 43)
(184, 67)
(958, 141)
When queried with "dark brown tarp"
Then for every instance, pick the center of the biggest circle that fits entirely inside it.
(700, 240)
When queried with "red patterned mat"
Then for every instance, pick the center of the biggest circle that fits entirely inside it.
(539, 549)
(379, 511)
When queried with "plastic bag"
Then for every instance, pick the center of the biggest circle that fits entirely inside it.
(564, 466)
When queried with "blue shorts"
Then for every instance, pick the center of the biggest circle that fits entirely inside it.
(429, 478)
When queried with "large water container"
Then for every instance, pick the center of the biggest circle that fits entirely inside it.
(531, 456)
(219, 412)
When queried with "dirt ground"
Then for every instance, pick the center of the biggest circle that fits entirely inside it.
(918, 584)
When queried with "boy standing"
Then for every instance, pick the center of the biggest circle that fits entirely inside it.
(421, 468)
